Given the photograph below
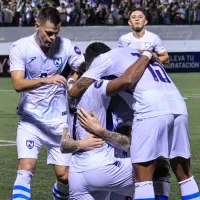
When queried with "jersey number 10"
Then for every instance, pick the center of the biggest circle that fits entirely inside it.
(156, 70)
(158, 73)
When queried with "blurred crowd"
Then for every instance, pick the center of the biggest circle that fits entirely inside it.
(100, 12)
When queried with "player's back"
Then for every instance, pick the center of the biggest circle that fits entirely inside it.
(155, 93)
(94, 98)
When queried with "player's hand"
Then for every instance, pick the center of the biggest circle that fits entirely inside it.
(89, 122)
(91, 142)
(155, 58)
(57, 79)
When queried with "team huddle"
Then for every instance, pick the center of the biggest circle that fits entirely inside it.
(112, 120)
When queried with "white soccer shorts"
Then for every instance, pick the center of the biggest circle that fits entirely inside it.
(165, 135)
(97, 184)
(32, 137)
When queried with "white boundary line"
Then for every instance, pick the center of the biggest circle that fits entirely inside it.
(9, 90)
(8, 143)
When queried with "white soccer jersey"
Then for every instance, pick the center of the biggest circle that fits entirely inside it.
(149, 41)
(155, 93)
(48, 102)
(88, 160)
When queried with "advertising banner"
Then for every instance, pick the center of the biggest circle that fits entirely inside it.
(184, 62)
(179, 62)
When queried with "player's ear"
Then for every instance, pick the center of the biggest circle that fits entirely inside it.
(146, 21)
(37, 25)
(129, 22)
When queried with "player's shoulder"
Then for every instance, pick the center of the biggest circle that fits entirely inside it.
(21, 45)
(67, 43)
(151, 34)
(65, 40)
(98, 87)
(126, 37)
(23, 41)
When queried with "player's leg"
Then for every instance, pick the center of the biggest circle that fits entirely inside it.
(161, 179)
(149, 138)
(61, 187)
(180, 158)
(60, 161)
(28, 146)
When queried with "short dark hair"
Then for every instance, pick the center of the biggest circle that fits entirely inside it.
(94, 50)
(51, 14)
(138, 9)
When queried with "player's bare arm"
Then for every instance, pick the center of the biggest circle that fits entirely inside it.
(21, 84)
(163, 58)
(69, 145)
(80, 86)
(92, 125)
(130, 76)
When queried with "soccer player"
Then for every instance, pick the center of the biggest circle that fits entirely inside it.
(36, 64)
(142, 39)
(115, 173)
(160, 126)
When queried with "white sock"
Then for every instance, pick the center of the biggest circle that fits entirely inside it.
(144, 190)
(189, 189)
(22, 187)
(60, 190)
(162, 188)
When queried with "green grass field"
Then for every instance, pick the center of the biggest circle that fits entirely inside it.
(189, 85)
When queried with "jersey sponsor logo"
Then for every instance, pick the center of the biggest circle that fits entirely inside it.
(30, 144)
(31, 59)
(98, 84)
(77, 50)
(117, 163)
(57, 62)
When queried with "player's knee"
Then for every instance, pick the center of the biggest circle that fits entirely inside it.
(181, 168)
(162, 168)
(27, 164)
(143, 171)
(62, 174)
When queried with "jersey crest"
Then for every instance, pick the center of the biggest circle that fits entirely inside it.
(57, 62)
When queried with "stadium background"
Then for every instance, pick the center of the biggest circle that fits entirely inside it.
(181, 39)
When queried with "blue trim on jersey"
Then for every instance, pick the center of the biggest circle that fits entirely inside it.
(161, 197)
(136, 54)
(60, 193)
(110, 77)
(146, 199)
(191, 196)
(19, 187)
(15, 196)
